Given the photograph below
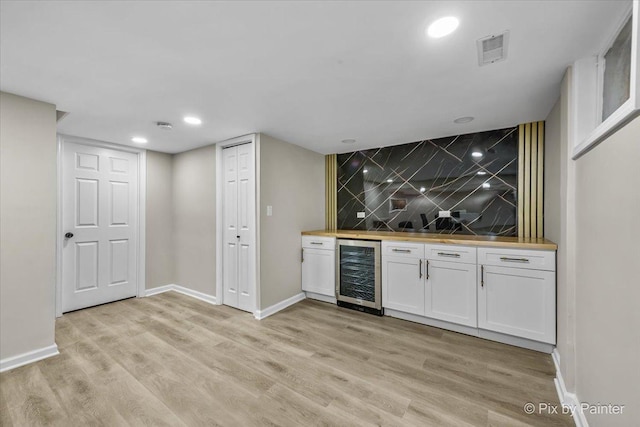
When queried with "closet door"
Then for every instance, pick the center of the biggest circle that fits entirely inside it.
(239, 221)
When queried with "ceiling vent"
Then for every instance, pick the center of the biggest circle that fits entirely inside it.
(493, 48)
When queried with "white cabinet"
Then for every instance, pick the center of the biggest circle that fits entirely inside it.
(435, 281)
(517, 293)
(451, 292)
(318, 265)
(403, 284)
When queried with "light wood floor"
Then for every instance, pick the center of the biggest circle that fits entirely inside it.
(173, 360)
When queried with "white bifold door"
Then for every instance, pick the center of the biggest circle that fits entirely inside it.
(239, 219)
(100, 225)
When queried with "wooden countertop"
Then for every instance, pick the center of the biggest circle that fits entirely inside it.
(452, 239)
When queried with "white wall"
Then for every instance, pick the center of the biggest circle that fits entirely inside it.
(608, 282)
(28, 177)
(194, 219)
(292, 182)
(160, 253)
(598, 285)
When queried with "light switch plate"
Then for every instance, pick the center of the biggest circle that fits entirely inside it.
(360, 215)
(269, 210)
(444, 214)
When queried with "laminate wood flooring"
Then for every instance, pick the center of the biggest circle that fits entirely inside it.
(171, 360)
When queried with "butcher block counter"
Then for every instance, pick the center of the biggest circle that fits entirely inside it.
(453, 239)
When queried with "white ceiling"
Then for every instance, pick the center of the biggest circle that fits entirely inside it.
(310, 73)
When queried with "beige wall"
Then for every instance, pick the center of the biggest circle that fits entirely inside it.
(28, 191)
(160, 256)
(194, 219)
(292, 181)
(598, 292)
(608, 283)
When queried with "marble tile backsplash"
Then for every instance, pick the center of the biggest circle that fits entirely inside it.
(464, 184)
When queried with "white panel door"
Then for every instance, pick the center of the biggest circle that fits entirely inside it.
(403, 284)
(517, 302)
(451, 292)
(100, 222)
(239, 221)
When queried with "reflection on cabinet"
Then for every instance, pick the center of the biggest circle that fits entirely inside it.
(318, 265)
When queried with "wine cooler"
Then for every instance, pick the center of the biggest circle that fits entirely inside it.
(358, 275)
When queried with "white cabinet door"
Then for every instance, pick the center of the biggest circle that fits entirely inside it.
(517, 302)
(450, 292)
(319, 271)
(403, 284)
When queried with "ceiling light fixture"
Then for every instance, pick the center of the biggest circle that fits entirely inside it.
(461, 120)
(348, 141)
(422, 189)
(389, 180)
(486, 185)
(476, 154)
(482, 173)
(365, 170)
(139, 140)
(442, 27)
(192, 120)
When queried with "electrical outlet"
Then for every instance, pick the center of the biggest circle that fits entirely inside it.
(360, 215)
(444, 214)
(269, 210)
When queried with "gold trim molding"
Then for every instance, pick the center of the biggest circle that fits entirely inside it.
(531, 180)
(331, 192)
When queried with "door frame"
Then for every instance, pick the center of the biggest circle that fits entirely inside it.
(142, 197)
(254, 140)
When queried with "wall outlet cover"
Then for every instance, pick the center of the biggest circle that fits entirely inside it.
(444, 214)
(360, 215)
(269, 210)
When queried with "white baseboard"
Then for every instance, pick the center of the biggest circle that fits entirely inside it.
(567, 398)
(181, 289)
(261, 314)
(28, 357)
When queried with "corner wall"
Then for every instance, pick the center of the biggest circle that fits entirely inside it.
(589, 212)
(194, 219)
(28, 191)
(160, 253)
(608, 283)
(292, 182)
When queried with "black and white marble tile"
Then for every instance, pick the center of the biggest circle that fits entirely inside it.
(405, 187)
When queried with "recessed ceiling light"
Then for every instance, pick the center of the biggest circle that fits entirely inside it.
(476, 154)
(192, 120)
(348, 141)
(442, 27)
(139, 140)
(486, 185)
(461, 120)
(365, 170)
(482, 173)
(422, 189)
(389, 180)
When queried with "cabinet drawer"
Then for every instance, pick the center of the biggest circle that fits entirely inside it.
(316, 242)
(402, 249)
(518, 258)
(463, 254)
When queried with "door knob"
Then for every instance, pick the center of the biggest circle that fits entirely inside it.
(68, 235)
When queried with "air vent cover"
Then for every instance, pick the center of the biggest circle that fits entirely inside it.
(493, 48)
